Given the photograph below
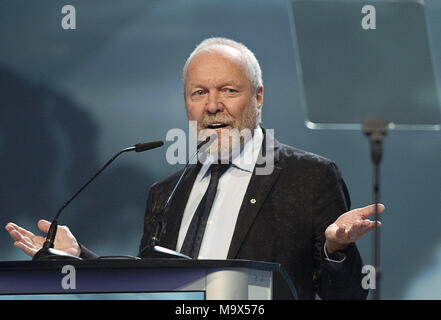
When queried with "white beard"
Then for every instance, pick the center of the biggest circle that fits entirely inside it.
(232, 140)
(230, 146)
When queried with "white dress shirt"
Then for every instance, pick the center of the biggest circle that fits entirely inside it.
(229, 196)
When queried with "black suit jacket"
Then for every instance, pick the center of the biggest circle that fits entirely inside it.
(294, 204)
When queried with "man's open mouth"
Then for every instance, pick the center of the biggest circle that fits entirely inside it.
(217, 125)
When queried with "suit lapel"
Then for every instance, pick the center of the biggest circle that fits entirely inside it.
(177, 206)
(256, 194)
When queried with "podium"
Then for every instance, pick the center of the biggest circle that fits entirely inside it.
(145, 279)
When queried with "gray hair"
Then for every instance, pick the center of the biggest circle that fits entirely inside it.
(253, 71)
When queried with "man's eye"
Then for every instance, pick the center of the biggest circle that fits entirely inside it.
(198, 93)
(230, 90)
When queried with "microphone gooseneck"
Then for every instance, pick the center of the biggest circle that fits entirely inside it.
(156, 239)
(46, 252)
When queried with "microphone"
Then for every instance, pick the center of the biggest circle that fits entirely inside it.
(141, 147)
(47, 251)
(155, 241)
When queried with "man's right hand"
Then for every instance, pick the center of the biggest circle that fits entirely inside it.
(30, 243)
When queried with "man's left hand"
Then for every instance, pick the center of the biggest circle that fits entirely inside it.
(350, 227)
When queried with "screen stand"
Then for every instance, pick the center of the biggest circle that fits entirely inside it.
(376, 130)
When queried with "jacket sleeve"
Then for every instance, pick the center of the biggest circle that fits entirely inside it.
(150, 220)
(339, 279)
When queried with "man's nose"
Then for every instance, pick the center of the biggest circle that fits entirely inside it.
(214, 103)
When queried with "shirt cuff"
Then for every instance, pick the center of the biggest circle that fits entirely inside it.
(337, 257)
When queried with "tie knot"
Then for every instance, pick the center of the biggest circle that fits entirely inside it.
(218, 170)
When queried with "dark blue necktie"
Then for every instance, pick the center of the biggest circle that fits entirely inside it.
(196, 230)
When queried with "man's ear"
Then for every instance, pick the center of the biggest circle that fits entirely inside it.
(259, 100)
(259, 97)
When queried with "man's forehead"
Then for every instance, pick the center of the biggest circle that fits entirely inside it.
(214, 81)
(215, 65)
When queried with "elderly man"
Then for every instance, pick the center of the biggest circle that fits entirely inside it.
(295, 214)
